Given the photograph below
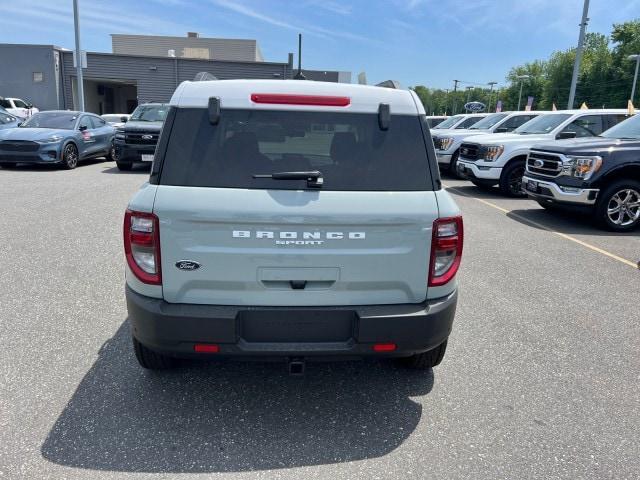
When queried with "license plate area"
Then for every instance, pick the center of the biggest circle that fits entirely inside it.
(532, 186)
(299, 326)
(147, 158)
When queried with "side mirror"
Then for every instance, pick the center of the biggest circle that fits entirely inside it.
(565, 135)
(502, 130)
(82, 128)
(124, 119)
(29, 105)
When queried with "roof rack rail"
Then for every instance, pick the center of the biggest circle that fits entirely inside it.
(389, 84)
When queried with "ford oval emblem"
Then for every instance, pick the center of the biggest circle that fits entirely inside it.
(538, 163)
(147, 137)
(187, 265)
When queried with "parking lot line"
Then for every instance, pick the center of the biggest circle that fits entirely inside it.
(544, 227)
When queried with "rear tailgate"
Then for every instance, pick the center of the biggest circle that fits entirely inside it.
(294, 247)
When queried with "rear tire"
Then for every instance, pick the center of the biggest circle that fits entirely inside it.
(426, 360)
(124, 166)
(111, 154)
(623, 195)
(152, 360)
(511, 179)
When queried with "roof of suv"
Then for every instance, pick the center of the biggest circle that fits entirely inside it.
(237, 94)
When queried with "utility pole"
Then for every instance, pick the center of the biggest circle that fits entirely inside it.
(455, 89)
(576, 65)
(635, 77)
(300, 75)
(469, 88)
(491, 84)
(521, 78)
(79, 80)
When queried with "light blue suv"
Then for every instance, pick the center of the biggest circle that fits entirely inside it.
(57, 137)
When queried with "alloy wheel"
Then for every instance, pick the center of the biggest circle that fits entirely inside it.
(71, 156)
(623, 208)
(515, 181)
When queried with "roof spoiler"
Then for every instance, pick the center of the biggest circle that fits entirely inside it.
(389, 84)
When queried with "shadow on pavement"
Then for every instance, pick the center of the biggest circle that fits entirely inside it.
(567, 222)
(232, 417)
(136, 169)
(49, 167)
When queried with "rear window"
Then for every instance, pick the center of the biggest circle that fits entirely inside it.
(349, 149)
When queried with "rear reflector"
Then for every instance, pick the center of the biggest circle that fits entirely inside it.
(384, 347)
(287, 99)
(206, 348)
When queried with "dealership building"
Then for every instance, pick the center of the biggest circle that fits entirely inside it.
(140, 69)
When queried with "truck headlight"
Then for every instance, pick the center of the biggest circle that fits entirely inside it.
(445, 143)
(582, 167)
(492, 152)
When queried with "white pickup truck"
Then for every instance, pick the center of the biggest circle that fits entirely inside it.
(447, 142)
(18, 107)
(489, 160)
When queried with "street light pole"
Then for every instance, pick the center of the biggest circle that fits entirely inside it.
(576, 66)
(635, 76)
(469, 93)
(79, 80)
(521, 78)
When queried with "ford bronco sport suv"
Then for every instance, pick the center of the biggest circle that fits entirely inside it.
(295, 220)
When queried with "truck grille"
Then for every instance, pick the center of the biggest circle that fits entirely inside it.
(141, 138)
(470, 151)
(19, 146)
(544, 164)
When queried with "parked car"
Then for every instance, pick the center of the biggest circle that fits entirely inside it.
(7, 120)
(435, 120)
(136, 141)
(283, 240)
(489, 160)
(447, 142)
(600, 175)
(57, 137)
(116, 120)
(464, 120)
(18, 107)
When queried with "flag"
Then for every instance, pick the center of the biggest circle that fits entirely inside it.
(529, 104)
(584, 106)
(630, 108)
(499, 106)
(554, 108)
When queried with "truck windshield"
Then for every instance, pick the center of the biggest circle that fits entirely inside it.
(449, 122)
(488, 122)
(56, 120)
(349, 150)
(630, 128)
(150, 113)
(542, 124)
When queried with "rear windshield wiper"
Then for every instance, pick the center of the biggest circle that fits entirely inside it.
(313, 178)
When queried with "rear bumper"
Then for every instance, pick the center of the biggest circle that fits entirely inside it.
(472, 171)
(174, 329)
(550, 191)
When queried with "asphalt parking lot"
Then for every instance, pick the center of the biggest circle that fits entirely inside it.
(541, 378)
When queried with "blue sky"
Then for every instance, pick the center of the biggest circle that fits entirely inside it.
(427, 42)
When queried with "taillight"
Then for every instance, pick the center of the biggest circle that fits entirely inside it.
(446, 250)
(294, 99)
(142, 246)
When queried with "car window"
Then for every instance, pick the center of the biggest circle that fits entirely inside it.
(449, 122)
(613, 120)
(97, 122)
(4, 103)
(515, 121)
(150, 113)
(630, 128)
(469, 121)
(488, 121)
(543, 124)
(85, 121)
(585, 126)
(349, 149)
(57, 120)
(19, 103)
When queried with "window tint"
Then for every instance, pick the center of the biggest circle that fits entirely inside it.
(5, 103)
(469, 121)
(19, 103)
(488, 121)
(57, 120)
(97, 122)
(449, 122)
(348, 148)
(543, 123)
(150, 113)
(586, 126)
(514, 122)
(630, 128)
(85, 121)
(613, 120)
